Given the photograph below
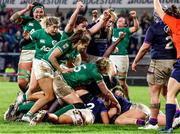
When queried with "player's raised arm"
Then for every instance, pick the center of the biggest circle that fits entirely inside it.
(16, 16)
(103, 19)
(70, 25)
(158, 9)
(135, 21)
(113, 46)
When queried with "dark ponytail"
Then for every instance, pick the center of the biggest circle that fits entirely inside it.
(173, 11)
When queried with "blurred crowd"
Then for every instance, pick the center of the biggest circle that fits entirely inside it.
(10, 34)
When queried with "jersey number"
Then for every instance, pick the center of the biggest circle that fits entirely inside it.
(169, 45)
(78, 68)
(90, 106)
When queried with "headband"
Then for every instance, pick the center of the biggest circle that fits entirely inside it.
(34, 8)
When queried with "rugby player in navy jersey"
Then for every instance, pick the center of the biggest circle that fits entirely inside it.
(95, 111)
(163, 55)
(101, 40)
(96, 106)
(131, 113)
(171, 18)
(98, 109)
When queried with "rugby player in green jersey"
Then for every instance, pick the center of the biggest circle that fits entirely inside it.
(78, 22)
(66, 50)
(84, 75)
(29, 24)
(120, 58)
(43, 72)
(42, 75)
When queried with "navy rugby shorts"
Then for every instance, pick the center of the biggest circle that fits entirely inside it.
(176, 71)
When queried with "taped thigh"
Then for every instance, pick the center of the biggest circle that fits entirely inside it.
(24, 74)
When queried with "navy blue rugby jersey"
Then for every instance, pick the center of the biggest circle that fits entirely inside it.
(97, 106)
(161, 44)
(99, 42)
(124, 103)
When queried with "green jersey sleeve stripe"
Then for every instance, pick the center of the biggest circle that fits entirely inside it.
(30, 37)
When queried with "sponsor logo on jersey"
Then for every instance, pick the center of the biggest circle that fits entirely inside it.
(54, 42)
(65, 46)
(31, 24)
(42, 41)
(114, 39)
(33, 30)
(46, 49)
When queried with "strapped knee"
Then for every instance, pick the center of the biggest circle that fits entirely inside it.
(121, 77)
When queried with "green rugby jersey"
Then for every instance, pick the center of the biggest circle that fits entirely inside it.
(30, 25)
(66, 48)
(123, 45)
(43, 42)
(83, 75)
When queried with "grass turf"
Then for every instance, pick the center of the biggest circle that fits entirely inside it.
(7, 95)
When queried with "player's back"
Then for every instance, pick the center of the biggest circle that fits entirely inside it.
(162, 46)
(97, 106)
(82, 75)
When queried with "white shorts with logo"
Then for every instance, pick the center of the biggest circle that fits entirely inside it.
(42, 69)
(26, 56)
(121, 62)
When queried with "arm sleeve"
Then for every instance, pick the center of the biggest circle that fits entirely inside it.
(91, 25)
(25, 19)
(128, 31)
(103, 107)
(97, 76)
(149, 36)
(28, 29)
(63, 46)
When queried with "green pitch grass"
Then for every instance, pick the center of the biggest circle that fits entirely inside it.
(7, 95)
